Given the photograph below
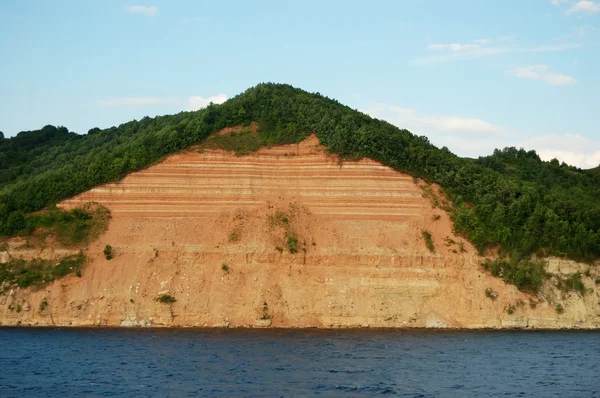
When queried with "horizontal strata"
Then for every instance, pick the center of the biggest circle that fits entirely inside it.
(201, 184)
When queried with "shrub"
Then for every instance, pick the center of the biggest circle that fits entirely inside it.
(436, 217)
(225, 268)
(510, 309)
(166, 299)
(491, 293)
(265, 312)
(43, 305)
(234, 236)
(428, 240)
(559, 309)
(108, 252)
(38, 272)
(292, 244)
(525, 274)
(575, 283)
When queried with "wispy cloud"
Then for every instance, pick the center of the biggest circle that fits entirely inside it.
(558, 2)
(584, 7)
(136, 101)
(143, 10)
(443, 53)
(197, 102)
(412, 119)
(542, 73)
(474, 137)
(192, 103)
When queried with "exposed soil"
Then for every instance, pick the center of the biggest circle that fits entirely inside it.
(285, 237)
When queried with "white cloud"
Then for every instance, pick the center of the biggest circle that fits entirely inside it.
(573, 149)
(197, 102)
(584, 6)
(548, 48)
(480, 48)
(540, 72)
(558, 2)
(414, 120)
(136, 101)
(143, 10)
(475, 137)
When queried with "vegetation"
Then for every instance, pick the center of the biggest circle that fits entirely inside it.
(428, 240)
(75, 227)
(511, 201)
(37, 272)
(524, 273)
(242, 143)
(510, 309)
(234, 236)
(572, 283)
(166, 299)
(225, 268)
(292, 243)
(491, 293)
(265, 312)
(43, 305)
(559, 309)
(108, 252)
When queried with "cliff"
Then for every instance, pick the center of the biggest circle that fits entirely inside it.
(287, 236)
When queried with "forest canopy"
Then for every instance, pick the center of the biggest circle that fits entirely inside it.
(511, 200)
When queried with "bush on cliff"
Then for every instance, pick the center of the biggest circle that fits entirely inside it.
(510, 200)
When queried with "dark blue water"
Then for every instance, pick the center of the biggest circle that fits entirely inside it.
(179, 363)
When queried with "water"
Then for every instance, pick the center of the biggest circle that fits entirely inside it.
(179, 363)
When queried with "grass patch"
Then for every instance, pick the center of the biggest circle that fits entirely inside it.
(428, 240)
(429, 194)
(38, 272)
(526, 275)
(292, 243)
(75, 227)
(572, 283)
(234, 236)
(279, 219)
(166, 299)
(241, 143)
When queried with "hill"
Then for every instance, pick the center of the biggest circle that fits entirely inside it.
(282, 236)
(511, 200)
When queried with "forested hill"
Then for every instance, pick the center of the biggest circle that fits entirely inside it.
(511, 200)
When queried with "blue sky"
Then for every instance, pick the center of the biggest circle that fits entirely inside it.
(471, 75)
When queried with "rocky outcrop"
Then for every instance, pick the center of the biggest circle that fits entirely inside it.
(285, 237)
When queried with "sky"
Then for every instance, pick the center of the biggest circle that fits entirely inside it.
(472, 75)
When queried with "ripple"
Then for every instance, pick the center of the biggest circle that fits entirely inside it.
(139, 363)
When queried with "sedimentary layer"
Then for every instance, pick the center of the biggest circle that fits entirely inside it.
(285, 237)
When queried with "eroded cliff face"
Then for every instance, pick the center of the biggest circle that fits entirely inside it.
(285, 237)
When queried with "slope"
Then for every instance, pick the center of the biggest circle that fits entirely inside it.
(288, 236)
(514, 213)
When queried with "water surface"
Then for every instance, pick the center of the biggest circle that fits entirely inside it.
(180, 363)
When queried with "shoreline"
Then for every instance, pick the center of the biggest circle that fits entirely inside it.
(291, 328)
